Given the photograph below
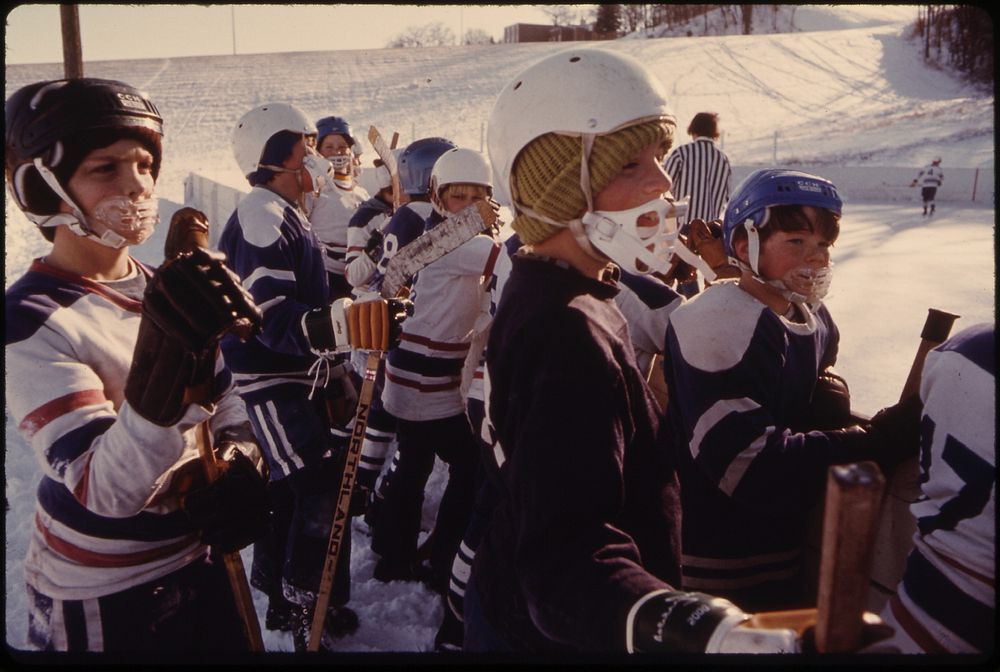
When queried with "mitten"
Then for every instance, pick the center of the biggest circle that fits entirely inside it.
(231, 512)
(189, 304)
(830, 406)
(705, 240)
(895, 432)
(373, 248)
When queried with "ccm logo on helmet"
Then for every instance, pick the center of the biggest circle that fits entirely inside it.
(131, 100)
(809, 186)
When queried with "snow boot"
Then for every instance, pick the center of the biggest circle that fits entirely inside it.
(387, 570)
(451, 633)
(340, 622)
(281, 614)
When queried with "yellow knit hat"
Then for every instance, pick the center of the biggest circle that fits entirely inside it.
(546, 175)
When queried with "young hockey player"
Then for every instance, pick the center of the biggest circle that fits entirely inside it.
(99, 351)
(364, 247)
(415, 162)
(929, 179)
(583, 550)
(331, 210)
(756, 413)
(423, 383)
(291, 386)
(946, 601)
(700, 171)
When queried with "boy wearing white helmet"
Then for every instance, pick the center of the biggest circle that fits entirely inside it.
(583, 549)
(756, 414)
(291, 383)
(423, 389)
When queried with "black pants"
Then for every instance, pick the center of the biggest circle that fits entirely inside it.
(398, 526)
(189, 611)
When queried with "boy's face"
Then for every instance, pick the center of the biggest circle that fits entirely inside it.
(640, 181)
(787, 251)
(458, 197)
(124, 168)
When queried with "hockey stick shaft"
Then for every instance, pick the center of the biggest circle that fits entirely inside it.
(186, 233)
(341, 518)
(936, 329)
(850, 520)
(233, 562)
(897, 524)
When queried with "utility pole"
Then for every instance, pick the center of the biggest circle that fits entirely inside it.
(72, 51)
(232, 16)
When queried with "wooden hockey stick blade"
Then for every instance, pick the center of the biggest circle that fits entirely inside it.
(341, 517)
(853, 494)
(434, 244)
(388, 157)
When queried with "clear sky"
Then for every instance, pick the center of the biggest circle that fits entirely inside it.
(156, 31)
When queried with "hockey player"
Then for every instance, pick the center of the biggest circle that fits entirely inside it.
(364, 240)
(99, 351)
(756, 413)
(415, 162)
(929, 179)
(331, 210)
(700, 171)
(583, 551)
(281, 372)
(946, 601)
(423, 382)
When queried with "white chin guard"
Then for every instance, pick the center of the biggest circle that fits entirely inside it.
(637, 248)
(805, 284)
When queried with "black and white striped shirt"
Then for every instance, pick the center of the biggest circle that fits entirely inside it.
(700, 170)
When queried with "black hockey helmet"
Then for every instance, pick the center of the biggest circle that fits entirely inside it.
(46, 119)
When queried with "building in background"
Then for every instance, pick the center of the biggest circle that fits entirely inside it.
(537, 32)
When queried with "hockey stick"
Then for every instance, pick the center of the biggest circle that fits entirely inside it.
(375, 328)
(385, 153)
(850, 517)
(434, 244)
(189, 229)
(897, 524)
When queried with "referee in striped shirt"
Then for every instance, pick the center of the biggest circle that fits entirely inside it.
(700, 169)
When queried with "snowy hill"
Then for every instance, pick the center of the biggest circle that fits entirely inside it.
(846, 89)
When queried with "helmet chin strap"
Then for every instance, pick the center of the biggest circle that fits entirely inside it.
(576, 225)
(75, 221)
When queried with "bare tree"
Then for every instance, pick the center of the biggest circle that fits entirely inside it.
(477, 36)
(561, 15)
(428, 35)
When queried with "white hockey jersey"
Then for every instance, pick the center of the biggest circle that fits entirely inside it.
(330, 215)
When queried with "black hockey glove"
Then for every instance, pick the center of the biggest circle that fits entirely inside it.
(373, 248)
(240, 438)
(189, 304)
(895, 432)
(231, 512)
(830, 406)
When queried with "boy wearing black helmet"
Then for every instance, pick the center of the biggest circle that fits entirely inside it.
(99, 353)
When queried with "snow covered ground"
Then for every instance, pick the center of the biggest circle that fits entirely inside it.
(856, 93)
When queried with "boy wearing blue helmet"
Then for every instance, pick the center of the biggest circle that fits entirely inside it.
(331, 209)
(756, 414)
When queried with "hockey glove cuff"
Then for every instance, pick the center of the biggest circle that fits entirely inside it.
(895, 431)
(326, 329)
(830, 407)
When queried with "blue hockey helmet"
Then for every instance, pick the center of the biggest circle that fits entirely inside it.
(338, 125)
(760, 190)
(417, 161)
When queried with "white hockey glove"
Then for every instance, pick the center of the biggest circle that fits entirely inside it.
(698, 623)
(682, 622)
(370, 323)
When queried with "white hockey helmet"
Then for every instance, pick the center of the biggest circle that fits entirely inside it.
(585, 93)
(575, 92)
(258, 125)
(461, 165)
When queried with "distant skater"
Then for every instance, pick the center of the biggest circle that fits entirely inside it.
(930, 178)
